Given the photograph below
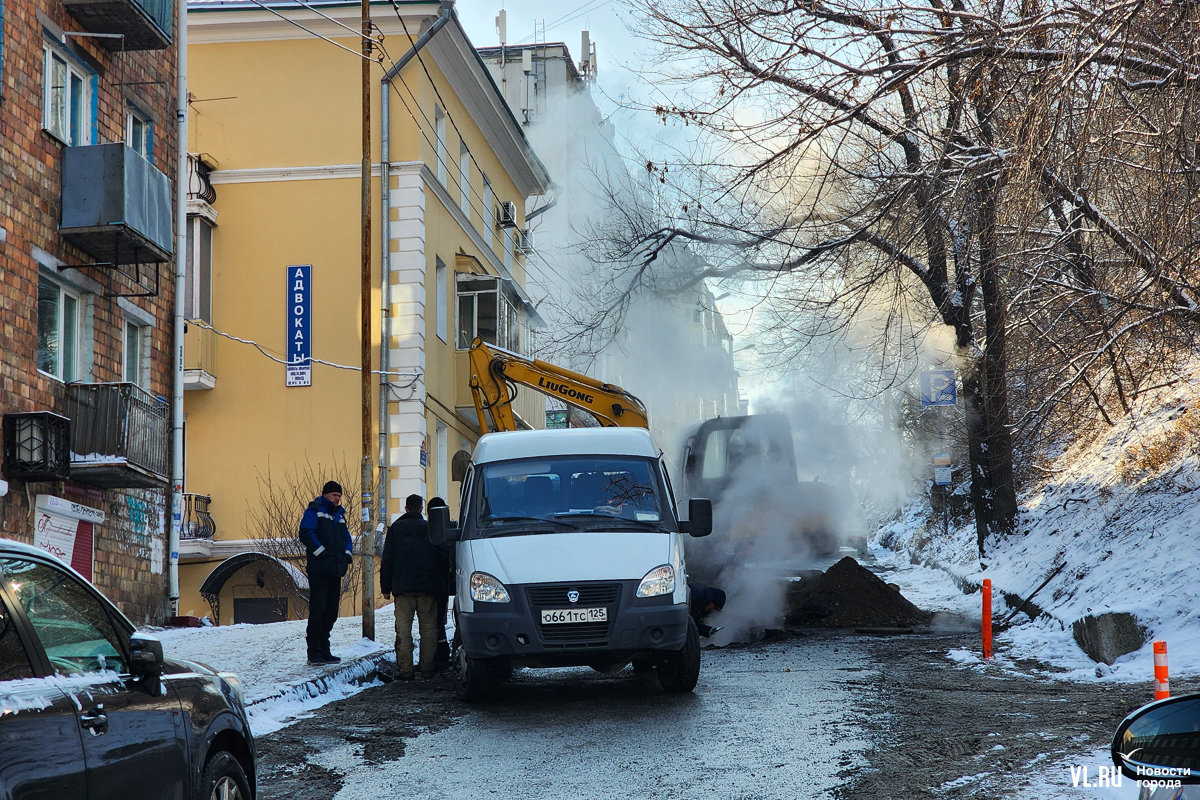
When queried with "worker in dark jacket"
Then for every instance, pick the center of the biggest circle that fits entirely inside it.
(330, 550)
(701, 603)
(441, 656)
(413, 570)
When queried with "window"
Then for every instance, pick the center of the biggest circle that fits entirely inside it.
(135, 362)
(489, 215)
(66, 99)
(464, 179)
(486, 310)
(139, 134)
(72, 623)
(58, 331)
(440, 295)
(198, 300)
(443, 461)
(440, 131)
(508, 248)
(14, 661)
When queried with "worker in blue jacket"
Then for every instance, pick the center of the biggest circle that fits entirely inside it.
(330, 550)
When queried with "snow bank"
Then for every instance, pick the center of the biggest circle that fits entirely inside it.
(1121, 510)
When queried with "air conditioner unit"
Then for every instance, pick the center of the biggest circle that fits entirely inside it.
(525, 242)
(506, 215)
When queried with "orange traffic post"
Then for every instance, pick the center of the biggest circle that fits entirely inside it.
(987, 618)
(1162, 687)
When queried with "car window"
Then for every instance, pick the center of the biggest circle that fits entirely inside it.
(14, 661)
(71, 622)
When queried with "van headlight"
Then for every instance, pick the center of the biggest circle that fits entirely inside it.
(486, 589)
(658, 581)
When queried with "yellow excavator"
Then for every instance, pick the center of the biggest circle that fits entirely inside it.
(495, 373)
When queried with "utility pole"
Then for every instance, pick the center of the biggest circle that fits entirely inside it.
(368, 538)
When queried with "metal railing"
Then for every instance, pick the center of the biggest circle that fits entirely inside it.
(197, 521)
(119, 421)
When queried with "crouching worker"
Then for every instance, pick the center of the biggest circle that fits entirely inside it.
(703, 602)
(413, 570)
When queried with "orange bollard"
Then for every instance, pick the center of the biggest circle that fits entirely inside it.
(987, 617)
(1162, 686)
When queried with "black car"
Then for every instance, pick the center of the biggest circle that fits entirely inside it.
(89, 708)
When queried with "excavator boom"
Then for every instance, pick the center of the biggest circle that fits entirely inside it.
(495, 373)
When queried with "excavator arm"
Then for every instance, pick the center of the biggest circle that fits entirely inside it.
(495, 373)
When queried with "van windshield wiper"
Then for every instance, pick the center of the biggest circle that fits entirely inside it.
(506, 521)
(608, 518)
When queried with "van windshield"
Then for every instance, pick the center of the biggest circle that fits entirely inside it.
(566, 493)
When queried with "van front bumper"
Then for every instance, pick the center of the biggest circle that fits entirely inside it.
(515, 628)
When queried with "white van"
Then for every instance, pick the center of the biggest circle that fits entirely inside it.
(568, 551)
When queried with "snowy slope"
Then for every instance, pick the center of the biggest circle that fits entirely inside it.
(1122, 510)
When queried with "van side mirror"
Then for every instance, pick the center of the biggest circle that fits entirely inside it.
(700, 518)
(441, 530)
(146, 661)
(1161, 741)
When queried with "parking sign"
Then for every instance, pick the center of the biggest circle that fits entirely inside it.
(938, 388)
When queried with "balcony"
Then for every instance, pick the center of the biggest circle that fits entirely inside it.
(199, 358)
(144, 24)
(120, 436)
(116, 206)
(197, 522)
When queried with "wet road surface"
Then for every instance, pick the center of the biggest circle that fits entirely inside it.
(818, 715)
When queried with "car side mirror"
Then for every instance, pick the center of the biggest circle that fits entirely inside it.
(146, 661)
(1161, 741)
(441, 530)
(700, 519)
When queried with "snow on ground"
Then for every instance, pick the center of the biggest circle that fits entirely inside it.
(1121, 509)
(271, 661)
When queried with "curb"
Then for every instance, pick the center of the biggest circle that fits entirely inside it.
(360, 671)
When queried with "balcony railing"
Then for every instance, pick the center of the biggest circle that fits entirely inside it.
(197, 521)
(143, 24)
(115, 205)
(120, 436)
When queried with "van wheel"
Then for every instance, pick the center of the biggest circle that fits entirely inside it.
(679, 670)
(224, 779)
(473, 677)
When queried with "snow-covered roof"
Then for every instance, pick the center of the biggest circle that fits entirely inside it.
(562, 442)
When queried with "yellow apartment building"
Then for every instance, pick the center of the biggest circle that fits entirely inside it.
(275, 216)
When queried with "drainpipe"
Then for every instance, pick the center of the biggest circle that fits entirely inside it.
(385, 250)
(181, 195)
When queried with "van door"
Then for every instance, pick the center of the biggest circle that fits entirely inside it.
(41, 752)
(132, 741)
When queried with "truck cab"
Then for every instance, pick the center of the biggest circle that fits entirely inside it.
(568, 551)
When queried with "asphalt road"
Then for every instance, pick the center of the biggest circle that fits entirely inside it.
(819, 715)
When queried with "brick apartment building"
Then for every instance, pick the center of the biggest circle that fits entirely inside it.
(87, 148)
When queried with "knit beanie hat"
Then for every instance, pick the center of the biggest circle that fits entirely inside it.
(332, 486)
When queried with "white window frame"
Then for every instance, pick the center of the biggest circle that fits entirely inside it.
(196, 278)
(511, 331)
(73, 124)
(133, 330)
(440, 295)
(133, 118)
(68, 340)
(439, 125)
(464, 179)
(489, 220)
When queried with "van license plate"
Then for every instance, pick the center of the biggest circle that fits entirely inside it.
(555, 616)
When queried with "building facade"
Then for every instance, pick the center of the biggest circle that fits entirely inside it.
(87, 155)
(275, 130)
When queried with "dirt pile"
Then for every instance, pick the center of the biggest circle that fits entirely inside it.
(849, 595)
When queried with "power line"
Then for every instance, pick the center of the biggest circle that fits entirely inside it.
(578, 11)
(312, 32)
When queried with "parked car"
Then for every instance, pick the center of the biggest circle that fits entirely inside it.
(90, 708)
(1159, 746)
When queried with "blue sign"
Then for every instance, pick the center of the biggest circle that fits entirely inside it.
(299, 328)
(938, 388)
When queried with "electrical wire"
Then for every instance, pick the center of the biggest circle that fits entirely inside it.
(264, 6)
(416, 376)
(578, 11)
